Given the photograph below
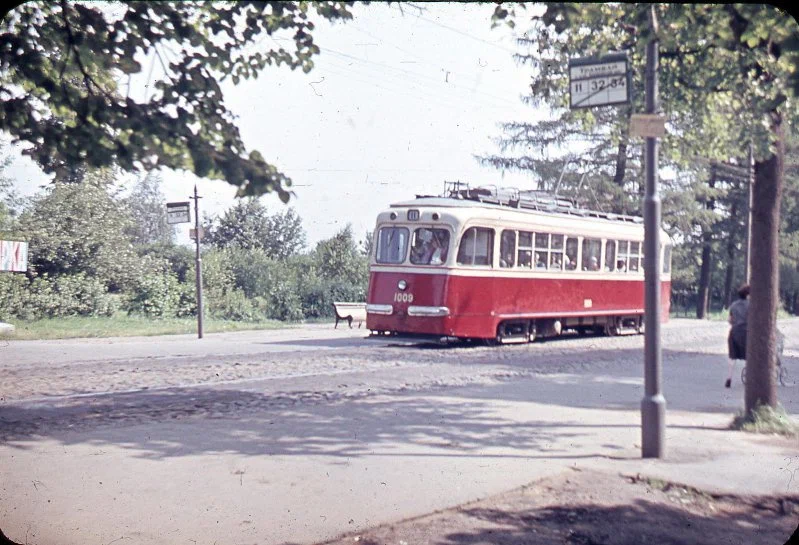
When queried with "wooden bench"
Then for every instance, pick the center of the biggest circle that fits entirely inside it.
(350, 312)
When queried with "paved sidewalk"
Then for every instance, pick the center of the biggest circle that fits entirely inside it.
(714, 486)
(206, 465)
(309, 474)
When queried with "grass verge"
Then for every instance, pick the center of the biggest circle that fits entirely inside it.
(127, 326)
(765, 419)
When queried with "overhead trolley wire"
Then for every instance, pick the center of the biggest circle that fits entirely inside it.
(420, 75)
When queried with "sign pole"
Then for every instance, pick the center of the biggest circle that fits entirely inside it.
(653, 405)
(198, 264)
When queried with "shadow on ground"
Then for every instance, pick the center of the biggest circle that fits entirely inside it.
(598, 509)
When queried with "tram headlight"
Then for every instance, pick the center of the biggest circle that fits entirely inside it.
(402, 285)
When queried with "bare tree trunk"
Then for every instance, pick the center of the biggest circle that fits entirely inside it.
(730, 271)
(795, 300)
(621, 161)
(621, 153)
(761, 388)
(703, 296)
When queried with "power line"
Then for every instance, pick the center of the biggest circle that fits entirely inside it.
(466, 34)
(429, 96)
(417, 74)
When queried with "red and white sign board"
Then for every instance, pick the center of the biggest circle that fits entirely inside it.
(13, 256)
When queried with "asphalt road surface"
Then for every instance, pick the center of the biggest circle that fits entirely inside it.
(297, 435)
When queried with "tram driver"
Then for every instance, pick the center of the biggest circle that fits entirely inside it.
(431, 247)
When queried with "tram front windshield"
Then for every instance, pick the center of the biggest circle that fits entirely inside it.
(392, 243)
(430, 246)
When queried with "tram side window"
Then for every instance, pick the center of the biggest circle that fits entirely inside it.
(621, 257)
(507, 249)
(525, 249)
(610, 255)
(392, 243)
(635, 250)
(430, 246)
(571, 254)
(476, 246)
(541, 250)
(592, 248)
(556, 253)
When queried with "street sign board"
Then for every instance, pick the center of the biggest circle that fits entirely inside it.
(599, 81)
(193, 233)
(178, 212)
(647, 125)
(13, 255)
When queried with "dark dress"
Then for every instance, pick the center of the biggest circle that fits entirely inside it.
(736, 340)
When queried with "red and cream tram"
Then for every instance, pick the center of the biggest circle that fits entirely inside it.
(507, 265)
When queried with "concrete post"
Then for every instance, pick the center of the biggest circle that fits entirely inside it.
(653, 405)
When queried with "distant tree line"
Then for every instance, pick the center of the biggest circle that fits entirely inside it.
(97, 250)
(728, 78)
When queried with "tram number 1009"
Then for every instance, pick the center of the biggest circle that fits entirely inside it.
(401, 297)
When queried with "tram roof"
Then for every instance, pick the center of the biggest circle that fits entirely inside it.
(549, 209)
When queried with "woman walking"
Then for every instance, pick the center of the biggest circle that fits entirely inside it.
(736, 340)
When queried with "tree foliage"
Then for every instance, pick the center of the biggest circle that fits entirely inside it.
(734, 66)
(147, 206)
(64, 82)
(80, 228)
(340, 258)
(249, 225)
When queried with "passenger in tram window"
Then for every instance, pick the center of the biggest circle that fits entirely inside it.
(507, 249)
(525, 259)
(556, 261)
(593, 264)
(621, 266)
(540, 261)
(570, 259)
(439, 246)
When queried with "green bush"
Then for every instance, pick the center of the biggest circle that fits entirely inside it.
(14, 296)
(176, 258)
(284, 302)
(154, 294)
(253, 271)
(65, 295)
(231, 304)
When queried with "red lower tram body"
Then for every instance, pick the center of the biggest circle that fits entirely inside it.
(504, 307)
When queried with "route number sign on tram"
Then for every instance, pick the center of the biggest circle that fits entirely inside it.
(599, 81)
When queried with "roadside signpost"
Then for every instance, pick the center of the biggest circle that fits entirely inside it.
(599, 81)
(652, 126)
(606, 81)
(198, 259)
(178, 212)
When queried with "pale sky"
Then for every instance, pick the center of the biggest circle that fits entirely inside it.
(397, 104)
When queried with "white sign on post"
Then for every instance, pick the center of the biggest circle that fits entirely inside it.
(599, 82)
(13, 255)
(647, 125)
(178, 212)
